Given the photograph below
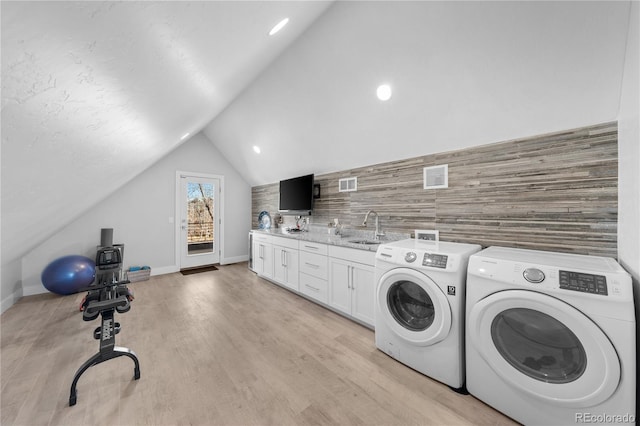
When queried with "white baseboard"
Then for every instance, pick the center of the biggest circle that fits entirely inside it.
(236, 259)
(10, 300)
(30, 290)
(165, 270)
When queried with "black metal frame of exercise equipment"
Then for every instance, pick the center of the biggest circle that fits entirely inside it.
(106, 296)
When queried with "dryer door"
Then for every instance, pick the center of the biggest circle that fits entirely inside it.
(413, 306)
(544, 347)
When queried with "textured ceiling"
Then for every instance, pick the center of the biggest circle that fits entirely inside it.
(93, 93)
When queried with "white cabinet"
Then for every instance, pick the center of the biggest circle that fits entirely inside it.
(313, 287)
(313, 264)
(352, 284)
(313, 270)
(338, 277)
(340, 285)
(263, 255)
(363, 293)
(285, 262)
(316, 248)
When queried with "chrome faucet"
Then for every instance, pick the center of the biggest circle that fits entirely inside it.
(378, 232)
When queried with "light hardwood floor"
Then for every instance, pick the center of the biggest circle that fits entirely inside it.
(222, 347)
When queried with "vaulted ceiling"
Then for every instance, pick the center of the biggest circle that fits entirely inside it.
(93, 93)
(462, 73)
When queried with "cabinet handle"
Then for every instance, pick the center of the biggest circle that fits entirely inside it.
(311, 247)
(260, 255)
(311, 287)
(352, 286)
(312, 265)
(348, 280)
(285, 259)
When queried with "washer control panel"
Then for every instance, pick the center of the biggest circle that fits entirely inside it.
(585, 283)
(533, 275)
(410, 257)
(435, 260)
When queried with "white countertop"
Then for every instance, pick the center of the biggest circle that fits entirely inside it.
(336, 240)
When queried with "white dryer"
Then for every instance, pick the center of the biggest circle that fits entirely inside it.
(419, 315)
(550, 337)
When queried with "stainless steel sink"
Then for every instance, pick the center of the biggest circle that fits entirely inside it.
(368, 242)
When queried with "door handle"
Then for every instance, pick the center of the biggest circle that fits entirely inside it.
(353, 287)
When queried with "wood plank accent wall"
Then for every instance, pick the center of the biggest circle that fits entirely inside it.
(556, 192)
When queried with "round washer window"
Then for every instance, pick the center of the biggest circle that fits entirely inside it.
(538, 345)
(410, 305)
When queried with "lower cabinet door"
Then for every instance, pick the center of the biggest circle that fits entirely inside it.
(340, 285)
(285, 266)
(263, 259)
(363, 293)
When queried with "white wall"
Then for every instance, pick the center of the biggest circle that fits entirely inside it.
(629, 152)
(629, 165)
(139, 214)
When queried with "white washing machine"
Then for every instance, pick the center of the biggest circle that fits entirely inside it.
(550, 337)
(420, 306)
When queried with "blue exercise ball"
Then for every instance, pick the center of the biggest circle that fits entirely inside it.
(69, 274)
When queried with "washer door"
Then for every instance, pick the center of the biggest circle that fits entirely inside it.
(544, 347)
(413, 307)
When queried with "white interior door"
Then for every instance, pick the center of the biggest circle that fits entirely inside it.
(199, 219)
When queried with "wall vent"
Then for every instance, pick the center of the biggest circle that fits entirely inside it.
(348, 184)
(436, 177)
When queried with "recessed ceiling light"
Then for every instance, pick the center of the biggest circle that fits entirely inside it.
(186, 135)
(280, 25)
(256, 149)
(384, 92)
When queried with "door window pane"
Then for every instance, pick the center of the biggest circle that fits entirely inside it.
(410, 305)
(200, 218)
(538, 345)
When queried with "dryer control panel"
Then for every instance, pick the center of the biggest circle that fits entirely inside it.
(586, 283)
(435, 260)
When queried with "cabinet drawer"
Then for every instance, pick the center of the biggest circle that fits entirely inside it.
(313, 247)
(285, 242)
(314, 264)
(313, 287)
(261, 237)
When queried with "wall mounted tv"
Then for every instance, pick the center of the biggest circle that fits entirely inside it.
(296, 195)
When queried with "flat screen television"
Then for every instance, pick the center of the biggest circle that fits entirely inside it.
(296, 195)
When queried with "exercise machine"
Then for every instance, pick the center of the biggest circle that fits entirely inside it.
(106, 296)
